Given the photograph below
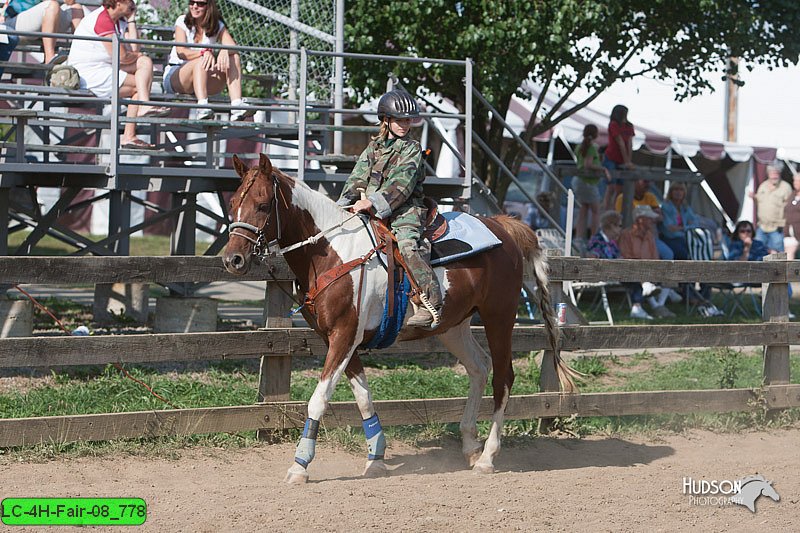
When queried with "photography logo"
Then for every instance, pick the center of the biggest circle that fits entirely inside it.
(724, 492)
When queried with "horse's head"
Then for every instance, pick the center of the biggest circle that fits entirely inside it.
(255, 215)
(769, 491)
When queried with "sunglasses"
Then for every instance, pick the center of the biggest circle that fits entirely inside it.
(745, 230)
(198, 4)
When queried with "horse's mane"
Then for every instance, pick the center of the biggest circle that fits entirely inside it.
(319, 199)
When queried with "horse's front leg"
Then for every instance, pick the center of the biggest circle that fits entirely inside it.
(376, 441)
(340, 349)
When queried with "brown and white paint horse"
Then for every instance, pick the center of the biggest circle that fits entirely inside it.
(271, 205)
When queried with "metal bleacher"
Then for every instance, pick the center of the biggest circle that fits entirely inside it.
(53, 137)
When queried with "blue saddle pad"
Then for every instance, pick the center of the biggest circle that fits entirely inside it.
(465, 236)
(391, 325)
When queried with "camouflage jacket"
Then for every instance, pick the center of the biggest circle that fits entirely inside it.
(391, 173)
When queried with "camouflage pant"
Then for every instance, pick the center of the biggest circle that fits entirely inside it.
(416, 251)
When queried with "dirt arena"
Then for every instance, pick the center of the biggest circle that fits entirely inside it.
(593, 484)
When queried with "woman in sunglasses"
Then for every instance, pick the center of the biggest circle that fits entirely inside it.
(199, 71)
(744, 246)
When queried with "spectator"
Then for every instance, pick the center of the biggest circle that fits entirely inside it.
(585, 183)
(92, 59)
(196, 71)
(771, 198)
(677, 217)
(743, 246)
(603, 245)
(619, 152)
(639, 242)
(45, 16)
(643, 196)
(791, 212)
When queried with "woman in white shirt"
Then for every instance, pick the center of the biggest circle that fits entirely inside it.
(196, 70)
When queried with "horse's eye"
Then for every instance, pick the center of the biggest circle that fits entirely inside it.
(263, 207)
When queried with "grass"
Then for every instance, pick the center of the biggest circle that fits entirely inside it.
(84, 390)
(148, 245)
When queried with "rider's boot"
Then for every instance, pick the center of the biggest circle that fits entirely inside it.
(423, 274)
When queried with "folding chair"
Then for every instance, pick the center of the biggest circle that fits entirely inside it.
(701, 248)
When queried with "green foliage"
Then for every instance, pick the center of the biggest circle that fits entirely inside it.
(563, 45)
(591, 366)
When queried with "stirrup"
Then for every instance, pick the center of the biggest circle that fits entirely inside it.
(428, 306)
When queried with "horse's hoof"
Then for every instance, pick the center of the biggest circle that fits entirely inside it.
(375, 469)
(296, 475)
(473, 456)
(481, 468)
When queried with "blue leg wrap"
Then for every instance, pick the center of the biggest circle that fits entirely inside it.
(308, 442)
(376, 442)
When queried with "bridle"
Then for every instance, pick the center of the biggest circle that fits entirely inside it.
(261, 248)
(260, 244)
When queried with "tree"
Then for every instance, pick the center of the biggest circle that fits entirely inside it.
(563, 45)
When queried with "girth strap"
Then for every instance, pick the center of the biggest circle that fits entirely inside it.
(329, 276)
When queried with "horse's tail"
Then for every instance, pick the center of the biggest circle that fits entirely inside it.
(536, 267)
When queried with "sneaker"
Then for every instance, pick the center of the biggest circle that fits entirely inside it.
(237, 115)
(205, 113)
(638, 312)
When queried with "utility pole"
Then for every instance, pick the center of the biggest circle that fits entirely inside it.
(731, 99)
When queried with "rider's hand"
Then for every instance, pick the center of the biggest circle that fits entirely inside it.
(362, 206)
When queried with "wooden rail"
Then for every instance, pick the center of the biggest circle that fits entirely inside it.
(278, 344)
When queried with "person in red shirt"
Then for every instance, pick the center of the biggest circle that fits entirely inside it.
(619, 152)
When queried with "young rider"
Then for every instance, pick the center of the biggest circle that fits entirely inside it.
(390, 173)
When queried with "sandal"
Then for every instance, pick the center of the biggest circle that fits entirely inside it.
(155, 112)
(139, 144)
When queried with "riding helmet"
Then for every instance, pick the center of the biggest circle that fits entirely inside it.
(397, 104)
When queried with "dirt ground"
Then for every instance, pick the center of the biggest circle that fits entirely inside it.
(593, 484)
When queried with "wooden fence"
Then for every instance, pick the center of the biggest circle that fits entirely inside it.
(277, 344)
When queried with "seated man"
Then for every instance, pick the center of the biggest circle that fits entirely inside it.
(45, 16)
(643, 196)
(603, 245)
(639, 242)
(92, 59)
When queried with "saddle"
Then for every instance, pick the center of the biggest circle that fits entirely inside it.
(435, 226)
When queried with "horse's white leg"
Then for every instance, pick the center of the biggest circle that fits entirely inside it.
(485, 464)
(376, 441)
(498, 336)
(306, 448)
(460, 341)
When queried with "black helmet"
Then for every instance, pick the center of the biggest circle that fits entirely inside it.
(397, 104)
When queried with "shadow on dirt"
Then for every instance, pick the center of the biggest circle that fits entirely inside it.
(541, 455)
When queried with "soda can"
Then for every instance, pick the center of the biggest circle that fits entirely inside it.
(561, 313)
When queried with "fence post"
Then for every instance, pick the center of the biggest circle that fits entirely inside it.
(275, 372)
(775, 306)
(548, 379)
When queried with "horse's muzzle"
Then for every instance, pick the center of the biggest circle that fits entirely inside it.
(236, 263)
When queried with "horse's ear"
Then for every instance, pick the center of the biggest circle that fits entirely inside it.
(264, 164)
(239, 166)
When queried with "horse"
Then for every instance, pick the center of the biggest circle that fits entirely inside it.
(752, 488)
(317, 237)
